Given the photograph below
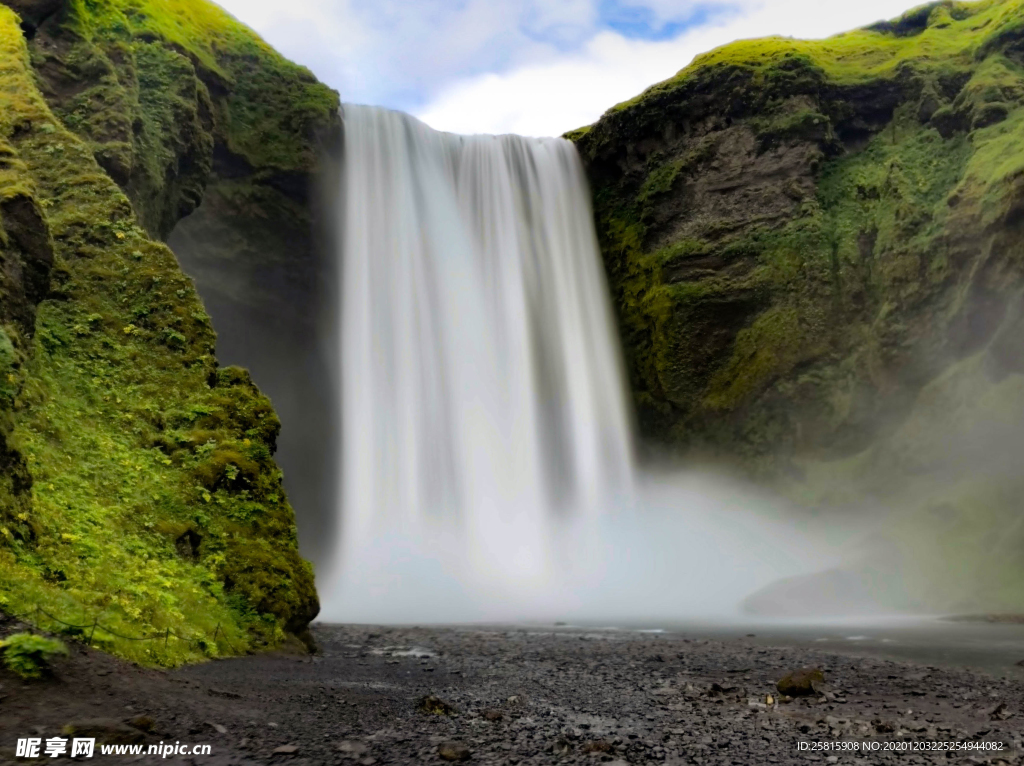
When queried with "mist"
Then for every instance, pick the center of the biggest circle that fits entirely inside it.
(489, 466)
(690, 546)
(923, 520)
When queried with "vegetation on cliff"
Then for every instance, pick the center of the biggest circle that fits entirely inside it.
(138, 483)
(797, 189)
(155, 87)
(809, 242)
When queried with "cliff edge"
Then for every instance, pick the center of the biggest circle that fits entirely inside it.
(138, 488)
(815, 251)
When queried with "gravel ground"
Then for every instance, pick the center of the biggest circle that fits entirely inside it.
(527, 696)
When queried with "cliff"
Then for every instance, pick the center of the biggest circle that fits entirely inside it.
(137, 479)
(815, 251)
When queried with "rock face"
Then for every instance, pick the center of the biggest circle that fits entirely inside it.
(263, 261)
(34, 12)
(814, 251)
(26, 260)
(220, 145)
(137, 476)
(798, 243)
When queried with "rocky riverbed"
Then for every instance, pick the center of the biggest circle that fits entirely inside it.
(526, 696)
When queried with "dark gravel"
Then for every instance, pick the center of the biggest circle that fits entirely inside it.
(540, 696)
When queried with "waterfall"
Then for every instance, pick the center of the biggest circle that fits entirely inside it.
(487, 454)
(483, 402)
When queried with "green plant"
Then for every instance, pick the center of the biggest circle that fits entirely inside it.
(29, 655)
(105, 415)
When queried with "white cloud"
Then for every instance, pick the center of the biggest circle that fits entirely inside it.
(574, 90)
(401, 53)
(538, 67)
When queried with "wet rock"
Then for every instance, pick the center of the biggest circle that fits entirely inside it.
(224, 693)
(562, 746)
(143, 723)
(453, 751)
(1000, 713)
(352, 749)
(598, 746)
(105, 730)
(432, 705)
(491, 714)
(802, 683)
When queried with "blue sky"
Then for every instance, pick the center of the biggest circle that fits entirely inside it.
(538, 67)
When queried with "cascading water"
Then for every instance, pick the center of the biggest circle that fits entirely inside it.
(486, 440)
(483, 401)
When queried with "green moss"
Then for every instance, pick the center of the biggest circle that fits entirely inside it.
(944, 41)
(8, 370)
(807, 124)
(770, 347)
(29, 655)
(575, 135)
(268, 109)
(644, 305)
(765, 333)
(131, 434)
(682, 249)
(153, 87)
(660, 181)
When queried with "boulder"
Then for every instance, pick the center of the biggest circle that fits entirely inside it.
(453, 751)
(435, 706)
(802, 683)
(143, 723)
(108, 731)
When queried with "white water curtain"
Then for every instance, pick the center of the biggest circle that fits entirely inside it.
(483, 400)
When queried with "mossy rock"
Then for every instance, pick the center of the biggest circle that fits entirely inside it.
(828, 183)
(794, 303)
(805, 682)
(119, 426)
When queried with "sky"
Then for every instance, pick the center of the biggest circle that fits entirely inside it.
(534, 67)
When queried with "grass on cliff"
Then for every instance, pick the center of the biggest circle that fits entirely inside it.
(864, 373)
(154, 86)
(269, 101)
(872, 238)
(156, 504)
(945, 36)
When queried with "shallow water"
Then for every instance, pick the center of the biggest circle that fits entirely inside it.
(926, 640)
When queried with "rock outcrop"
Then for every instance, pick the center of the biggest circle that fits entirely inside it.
(222, 147)
(137, 481)
(815, 249)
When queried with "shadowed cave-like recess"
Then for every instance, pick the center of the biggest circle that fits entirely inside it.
(223, 148)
